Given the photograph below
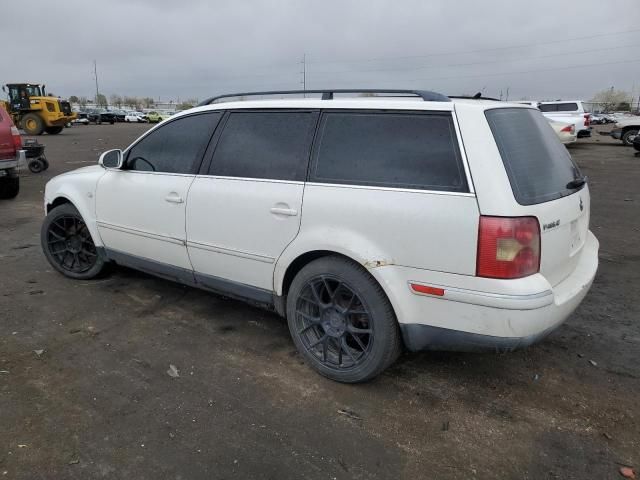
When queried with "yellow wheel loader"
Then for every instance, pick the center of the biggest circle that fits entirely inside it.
(34, 111)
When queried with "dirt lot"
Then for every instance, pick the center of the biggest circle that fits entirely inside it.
(98, 403)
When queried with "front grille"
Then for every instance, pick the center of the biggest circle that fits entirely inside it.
(65, 107)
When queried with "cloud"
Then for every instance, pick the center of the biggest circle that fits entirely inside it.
(197, 48)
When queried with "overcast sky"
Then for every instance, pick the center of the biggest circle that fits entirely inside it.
(196, 48)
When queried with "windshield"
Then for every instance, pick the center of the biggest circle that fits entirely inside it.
(539, 167)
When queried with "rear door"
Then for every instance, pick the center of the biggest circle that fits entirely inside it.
(540, 171)
(246, 206)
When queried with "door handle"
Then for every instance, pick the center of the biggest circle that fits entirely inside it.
(174, 198)
(290, 212)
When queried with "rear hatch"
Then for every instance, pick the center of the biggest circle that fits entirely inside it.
(7, 148)
(546, 183)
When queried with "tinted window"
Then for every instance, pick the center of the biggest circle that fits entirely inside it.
(559, 107)
(389, 150)
(538, 165)
(265, 145)
(174, 147)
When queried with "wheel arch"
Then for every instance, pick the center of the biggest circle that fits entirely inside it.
(86, 211)
(284, 274)
(56, 203)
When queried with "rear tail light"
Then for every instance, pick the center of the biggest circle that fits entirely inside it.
(17, 140)
(508, 247)
(569, 128)
(587, 119)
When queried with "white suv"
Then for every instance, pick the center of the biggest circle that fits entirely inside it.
(368, 223)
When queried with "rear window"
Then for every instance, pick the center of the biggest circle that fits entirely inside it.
(400, 150)
(538, 165)
(559, 107)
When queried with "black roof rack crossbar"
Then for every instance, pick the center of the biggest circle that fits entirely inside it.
(425, 95)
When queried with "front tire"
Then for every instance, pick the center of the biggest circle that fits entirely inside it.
(341, 321)
(68, 246)
(9, 186)
(628, 136)
(32, 124)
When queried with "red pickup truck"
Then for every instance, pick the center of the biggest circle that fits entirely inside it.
(12, 156)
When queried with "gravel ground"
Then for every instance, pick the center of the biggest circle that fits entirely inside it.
(84, 389)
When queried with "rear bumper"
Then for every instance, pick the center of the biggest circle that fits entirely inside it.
(584, 133)
(20, 161)
(498, 315)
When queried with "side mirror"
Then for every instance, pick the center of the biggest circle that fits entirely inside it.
(111, 159)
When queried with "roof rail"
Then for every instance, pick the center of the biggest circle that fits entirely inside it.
(425, 95)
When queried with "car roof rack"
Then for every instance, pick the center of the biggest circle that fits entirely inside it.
(425, 95)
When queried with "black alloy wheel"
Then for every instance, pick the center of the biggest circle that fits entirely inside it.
(67, 244)
(341, 320)
(333, 323)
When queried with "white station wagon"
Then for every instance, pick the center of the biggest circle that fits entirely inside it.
(370, 223)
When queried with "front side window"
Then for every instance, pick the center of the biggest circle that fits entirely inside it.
(175, 147)
(400, 150)
(272, 145)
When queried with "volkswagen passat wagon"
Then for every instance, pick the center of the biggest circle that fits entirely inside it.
(370, 223)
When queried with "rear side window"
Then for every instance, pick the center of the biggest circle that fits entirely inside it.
(401, 150)
(175, 147)
(537, 164)
(559, 107)
(273, 145)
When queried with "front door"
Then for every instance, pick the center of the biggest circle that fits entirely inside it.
(247, 207)
(140, 209)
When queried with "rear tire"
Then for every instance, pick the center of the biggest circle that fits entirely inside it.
(341, 321)
(9, 186)
(628, 136)
(32, 124)
(68, 246)
(53, 130)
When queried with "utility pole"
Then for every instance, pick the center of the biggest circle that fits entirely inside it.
(507, 99)
(304, 73)
(95, 73)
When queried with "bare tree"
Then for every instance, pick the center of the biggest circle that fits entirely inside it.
(116, 100)
(611, 99)
(187, 104)
(101, 100)
(131, 102)
(83, 101)
(73, 99)
(148, 102)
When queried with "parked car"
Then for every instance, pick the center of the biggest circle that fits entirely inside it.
(119, 115)
(99, 116)
(137, 117)
(12, 157)
(80, 121)
(566, 131)
(156, 117)
(568, 111)
(405, 236)
(625, 129)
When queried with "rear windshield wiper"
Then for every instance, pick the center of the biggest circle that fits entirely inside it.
(576, 183)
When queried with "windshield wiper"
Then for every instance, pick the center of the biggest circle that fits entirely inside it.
(576, 183)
